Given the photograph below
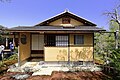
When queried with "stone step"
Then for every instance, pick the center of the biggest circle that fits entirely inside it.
(36, 59)
(37, 55)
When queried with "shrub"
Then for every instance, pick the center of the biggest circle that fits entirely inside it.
(115, 63)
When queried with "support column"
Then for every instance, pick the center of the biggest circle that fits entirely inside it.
(13, 42)
(68, 49)
(6, 42)
(19, 62)
(93, 50)
(116, 39)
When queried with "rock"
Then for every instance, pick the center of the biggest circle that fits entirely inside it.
(12, 66)
(43, 72)
(16, 69)
(41, 63)
(20, 76)
(31, 69)
(12, 73)
(27, 69)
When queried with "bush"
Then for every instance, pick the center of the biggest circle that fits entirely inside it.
(115, 59)
(7, 62)
(115, 63)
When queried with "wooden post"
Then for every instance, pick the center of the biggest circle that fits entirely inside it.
(6, 43)
(93, 50)
(14, 41)
(68, 49)
(116, 39)
(19, 50)
(2, 55)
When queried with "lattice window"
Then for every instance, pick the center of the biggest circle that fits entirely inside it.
(61, 40)
(56, 40)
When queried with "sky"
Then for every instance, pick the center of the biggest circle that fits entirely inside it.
(31, 12)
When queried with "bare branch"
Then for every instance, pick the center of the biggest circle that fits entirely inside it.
(114, 15)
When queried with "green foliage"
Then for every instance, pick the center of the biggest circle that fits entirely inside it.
(113, 26)
(104, 43)
(12, 57)
(2, 40)
(7, 61)
(115, 59)
(114, 63)
(2, 31)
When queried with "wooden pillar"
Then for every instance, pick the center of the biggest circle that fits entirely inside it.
(6, 42)
(14, 41)
(19, 62)
(68, 49)
(116, 39)
(93, 50)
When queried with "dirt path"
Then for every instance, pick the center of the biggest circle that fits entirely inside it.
(62, 76)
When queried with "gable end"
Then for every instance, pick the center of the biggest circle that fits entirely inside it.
(63, 15)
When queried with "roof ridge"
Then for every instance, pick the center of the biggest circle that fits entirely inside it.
(66, 10)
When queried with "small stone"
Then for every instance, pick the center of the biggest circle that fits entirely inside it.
(27, 69)
(41, 62)
(12, 66)
(20, 76)
(16, 69)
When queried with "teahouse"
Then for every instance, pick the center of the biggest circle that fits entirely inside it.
(64, 37)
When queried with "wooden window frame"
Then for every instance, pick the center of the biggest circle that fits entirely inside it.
(79, 38)
(56, 40)
(49, 40)
(61, 40)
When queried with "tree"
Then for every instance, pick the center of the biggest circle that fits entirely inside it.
(115, 63)
(2, 31)
(115, 24)
(106, 42)
(114, 19)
